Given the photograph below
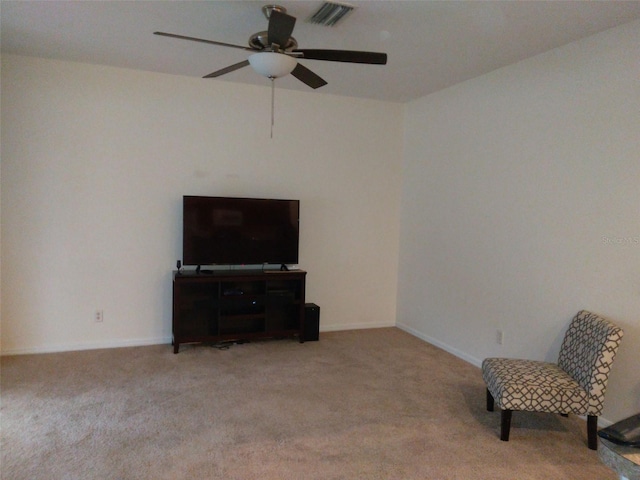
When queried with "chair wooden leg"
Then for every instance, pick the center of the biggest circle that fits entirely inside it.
(489, 401)
(505, 425)
(592, 432)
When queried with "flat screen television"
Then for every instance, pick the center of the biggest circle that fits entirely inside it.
(239, 231)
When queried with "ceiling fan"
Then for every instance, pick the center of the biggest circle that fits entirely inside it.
(275, 51)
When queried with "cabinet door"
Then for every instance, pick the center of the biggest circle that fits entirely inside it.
(284, 299)
(195, 309)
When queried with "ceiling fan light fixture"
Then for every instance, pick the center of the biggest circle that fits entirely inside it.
(271, 64)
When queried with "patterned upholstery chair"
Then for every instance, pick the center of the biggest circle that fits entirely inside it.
(576, 384)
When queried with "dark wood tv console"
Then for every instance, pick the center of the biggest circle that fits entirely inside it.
(237, 305)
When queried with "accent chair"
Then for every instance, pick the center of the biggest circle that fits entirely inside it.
(576, 384)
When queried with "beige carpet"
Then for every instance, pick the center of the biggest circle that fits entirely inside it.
(366, 404)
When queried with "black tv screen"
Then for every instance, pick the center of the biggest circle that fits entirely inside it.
(239, 231)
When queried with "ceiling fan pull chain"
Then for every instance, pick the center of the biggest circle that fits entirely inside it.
(273, 94)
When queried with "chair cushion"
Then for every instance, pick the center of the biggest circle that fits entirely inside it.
(531, 385)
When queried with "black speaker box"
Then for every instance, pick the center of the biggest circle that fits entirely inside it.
(311, 331)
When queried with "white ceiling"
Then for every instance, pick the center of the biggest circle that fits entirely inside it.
(430, 44)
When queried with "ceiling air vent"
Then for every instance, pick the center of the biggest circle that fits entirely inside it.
(330, 13)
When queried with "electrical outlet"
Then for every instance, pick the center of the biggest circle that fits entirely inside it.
(499, 337)
(98, 317)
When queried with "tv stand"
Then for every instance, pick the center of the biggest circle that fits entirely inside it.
(237, 305)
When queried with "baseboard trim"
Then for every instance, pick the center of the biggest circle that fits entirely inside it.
(357, 326)
(447, 348)
(138, 342)
(141, 342)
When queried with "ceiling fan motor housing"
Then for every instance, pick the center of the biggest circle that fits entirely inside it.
(267, 9)
(260, 41)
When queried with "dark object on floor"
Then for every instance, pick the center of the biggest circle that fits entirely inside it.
(625, 432)
(311, 322)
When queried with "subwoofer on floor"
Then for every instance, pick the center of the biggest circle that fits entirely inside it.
(311, 330)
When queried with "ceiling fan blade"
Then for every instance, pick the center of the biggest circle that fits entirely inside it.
(305, 75)
(349, 56)
(193, 39)
(228, 69)
(280, 28)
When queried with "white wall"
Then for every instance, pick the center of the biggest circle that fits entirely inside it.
(95, 161)
(521, 206)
